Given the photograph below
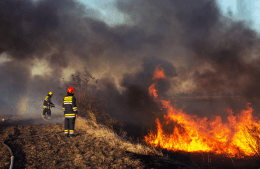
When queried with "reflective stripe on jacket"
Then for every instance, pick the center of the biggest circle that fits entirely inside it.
(70, 115)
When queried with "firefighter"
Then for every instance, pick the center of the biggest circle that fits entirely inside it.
(47, 104)
(70, 112)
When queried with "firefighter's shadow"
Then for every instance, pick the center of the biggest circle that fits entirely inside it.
(17, 150)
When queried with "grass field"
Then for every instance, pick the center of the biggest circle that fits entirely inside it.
(95, 146)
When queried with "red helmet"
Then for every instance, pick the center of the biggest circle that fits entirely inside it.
(71, 90)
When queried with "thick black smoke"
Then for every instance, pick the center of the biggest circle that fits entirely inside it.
(28, 31)
(134, 106)
(218, 54)
(213, 55)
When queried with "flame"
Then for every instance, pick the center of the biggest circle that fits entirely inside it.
(158, 74)
(153, 91)
(194, 134)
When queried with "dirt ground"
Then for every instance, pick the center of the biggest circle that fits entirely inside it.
(93, 147)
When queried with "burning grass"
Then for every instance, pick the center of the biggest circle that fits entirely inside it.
(101, 142)
(97, 146)
(180, 132)
(253, 140)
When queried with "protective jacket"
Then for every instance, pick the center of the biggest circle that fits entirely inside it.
(47, 102)
(69, 106)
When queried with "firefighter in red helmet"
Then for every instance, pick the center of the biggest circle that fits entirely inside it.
(70, 112)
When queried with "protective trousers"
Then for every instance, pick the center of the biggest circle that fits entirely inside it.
(69, 125)
(48, 111)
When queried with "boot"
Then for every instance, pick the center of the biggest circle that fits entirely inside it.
(43, 116)
(66, 134)
(72, 136)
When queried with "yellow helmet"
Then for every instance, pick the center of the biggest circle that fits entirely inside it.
(50, 93)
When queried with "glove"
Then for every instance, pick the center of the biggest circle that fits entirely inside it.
(52, 105)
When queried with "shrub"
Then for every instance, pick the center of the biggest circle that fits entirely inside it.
(90, 100)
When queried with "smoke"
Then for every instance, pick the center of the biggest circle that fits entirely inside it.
(46, 31)
(211, 61)
(215, 55)
(134, 106)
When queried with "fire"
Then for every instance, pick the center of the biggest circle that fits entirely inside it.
(153, 91)
(157, 75)
(194, 134)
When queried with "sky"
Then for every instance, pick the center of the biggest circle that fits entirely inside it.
(108, 11)
(112, 16)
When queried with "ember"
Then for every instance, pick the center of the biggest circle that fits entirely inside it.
(194, 134)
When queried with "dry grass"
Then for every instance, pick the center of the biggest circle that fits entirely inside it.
(100, 142)
(89, 99)
(101, 131)
(252, 135)
(95, 146)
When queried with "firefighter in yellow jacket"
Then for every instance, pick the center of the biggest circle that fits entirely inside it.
(47, 104)
(70, 112)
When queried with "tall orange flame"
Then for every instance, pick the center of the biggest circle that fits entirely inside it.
(200, 134)
(157, 75)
